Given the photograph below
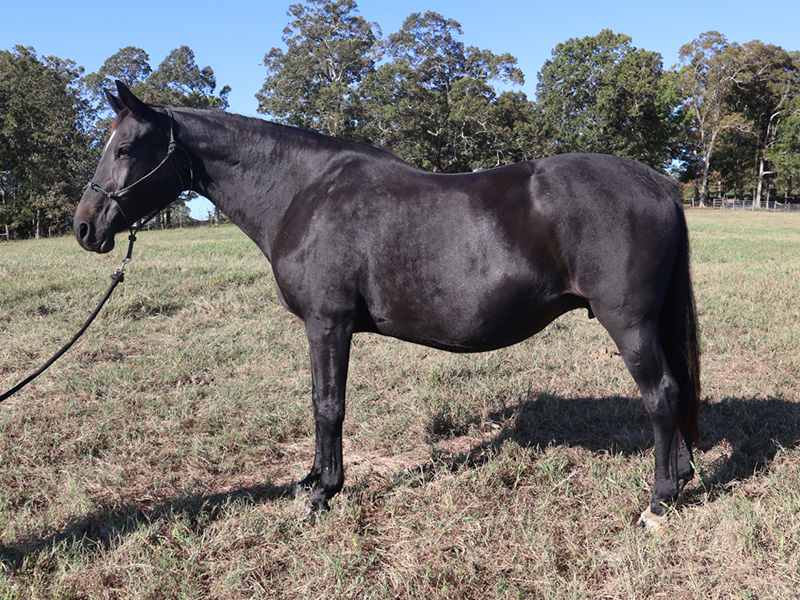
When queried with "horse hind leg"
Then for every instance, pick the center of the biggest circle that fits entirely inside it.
(641, 349)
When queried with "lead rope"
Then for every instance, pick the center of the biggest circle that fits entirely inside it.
(117, 277)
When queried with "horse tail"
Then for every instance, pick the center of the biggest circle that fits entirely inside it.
(679, 335)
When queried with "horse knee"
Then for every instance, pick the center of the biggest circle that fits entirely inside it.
(329, 416)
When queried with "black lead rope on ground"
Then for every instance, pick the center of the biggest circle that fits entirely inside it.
(117, 277)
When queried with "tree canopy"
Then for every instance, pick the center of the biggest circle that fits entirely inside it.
(432, 101)
(601, 94)
(726, 117)
(43, 142)
(330, 48)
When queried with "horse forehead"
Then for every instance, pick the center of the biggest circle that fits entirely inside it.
(110, 139)
(119, 118)
(125, 128)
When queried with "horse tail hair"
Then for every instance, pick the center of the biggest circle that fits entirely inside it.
(679, 335)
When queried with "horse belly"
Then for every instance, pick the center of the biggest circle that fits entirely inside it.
(467, 320)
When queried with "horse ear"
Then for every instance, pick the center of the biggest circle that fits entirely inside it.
(115, 102)
(128, 100)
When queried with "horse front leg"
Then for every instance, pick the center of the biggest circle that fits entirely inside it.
(329, 346)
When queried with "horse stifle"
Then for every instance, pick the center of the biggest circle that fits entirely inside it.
(361, 241)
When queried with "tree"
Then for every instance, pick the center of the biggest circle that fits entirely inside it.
(784, 153)
(43, 141)
(432, 102)
(130, 65)
(767, 79)
(601, 94)
(178, 81)
(330, 48)
(709, 66)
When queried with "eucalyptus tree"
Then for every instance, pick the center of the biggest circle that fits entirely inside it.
(784, 153)
(179, 81)
(130, 64)
(705, 78)
(767, 80)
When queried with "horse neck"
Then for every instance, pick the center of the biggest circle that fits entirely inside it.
(249, 168)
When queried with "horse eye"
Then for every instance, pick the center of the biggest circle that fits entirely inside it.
(123, 151)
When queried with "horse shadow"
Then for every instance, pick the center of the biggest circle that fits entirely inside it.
(750, 430)
(754, 429)
(101, 530)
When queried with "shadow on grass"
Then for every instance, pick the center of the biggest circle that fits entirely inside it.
(755, 431)
(102, 529)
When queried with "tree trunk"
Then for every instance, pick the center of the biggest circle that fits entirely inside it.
(704, 183)
(3, 201)
(759, 180)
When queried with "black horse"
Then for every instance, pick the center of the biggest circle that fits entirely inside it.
(360, 241)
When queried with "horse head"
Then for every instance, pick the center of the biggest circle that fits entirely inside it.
(131, 180)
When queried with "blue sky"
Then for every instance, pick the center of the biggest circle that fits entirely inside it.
(232, 36)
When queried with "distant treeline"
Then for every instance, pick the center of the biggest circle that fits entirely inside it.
(726, 118)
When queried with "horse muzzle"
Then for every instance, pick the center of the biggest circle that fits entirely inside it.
(91, 238)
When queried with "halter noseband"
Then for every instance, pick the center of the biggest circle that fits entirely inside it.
(173, 146)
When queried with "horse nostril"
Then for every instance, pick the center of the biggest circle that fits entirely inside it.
(83, 231)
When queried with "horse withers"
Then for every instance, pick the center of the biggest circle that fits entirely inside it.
(361, 241)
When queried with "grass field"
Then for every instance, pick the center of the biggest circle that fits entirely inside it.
(156, 459)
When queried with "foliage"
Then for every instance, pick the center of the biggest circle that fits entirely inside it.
(177, 81)
(432, 102)
(733, 94)
(43, 141)
(329, 50)
(784, 154)
(768, 79)
(703, 82)
(130, 65)
(601, 94)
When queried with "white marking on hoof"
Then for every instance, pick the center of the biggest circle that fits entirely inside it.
(652, 522)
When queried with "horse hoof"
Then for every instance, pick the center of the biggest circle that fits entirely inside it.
(652, 522)
(310, 496)
(300, 491)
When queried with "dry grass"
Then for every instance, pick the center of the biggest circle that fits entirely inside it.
(156, 459)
